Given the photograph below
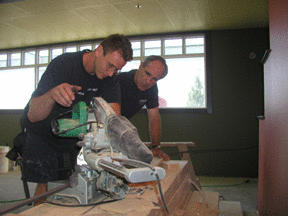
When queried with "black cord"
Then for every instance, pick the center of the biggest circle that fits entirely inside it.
(81, 205)
(54, 124)
(62, 114)
(161, 194)
(77, 126)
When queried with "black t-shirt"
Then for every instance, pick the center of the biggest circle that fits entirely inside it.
(133, 99)
(68, 68)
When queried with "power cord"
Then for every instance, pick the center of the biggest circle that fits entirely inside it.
(9, 201)
(137, 163)
(82, 205)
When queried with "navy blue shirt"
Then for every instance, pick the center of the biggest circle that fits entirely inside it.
(133, 99)
(68, 68)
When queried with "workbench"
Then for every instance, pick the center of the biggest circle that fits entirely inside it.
(176, 186)
(179, 187)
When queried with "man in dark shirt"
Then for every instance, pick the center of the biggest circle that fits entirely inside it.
(45, 156)
(138, 89)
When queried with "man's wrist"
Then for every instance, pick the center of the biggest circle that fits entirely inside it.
(155, 147)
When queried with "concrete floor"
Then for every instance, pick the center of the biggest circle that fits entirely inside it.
(11, 190)
(243, 190)
(231, 189)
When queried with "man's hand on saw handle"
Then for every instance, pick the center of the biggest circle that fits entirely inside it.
(64, 94)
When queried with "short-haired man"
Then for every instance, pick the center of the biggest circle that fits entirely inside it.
(138, 89)
(45, 156)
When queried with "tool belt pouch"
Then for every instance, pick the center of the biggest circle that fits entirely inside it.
(18, 143)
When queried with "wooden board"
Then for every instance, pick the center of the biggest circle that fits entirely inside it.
(203, 203)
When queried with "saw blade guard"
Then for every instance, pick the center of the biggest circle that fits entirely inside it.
(121, 133)
(124, 138)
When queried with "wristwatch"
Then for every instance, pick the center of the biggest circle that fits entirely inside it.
(155, 146)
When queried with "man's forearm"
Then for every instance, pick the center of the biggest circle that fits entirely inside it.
(40, 107)
(154, 127)
(155, 133)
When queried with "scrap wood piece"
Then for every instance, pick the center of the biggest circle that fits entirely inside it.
(176, 178)
(182, 196)
(169, 165)
(203, 203)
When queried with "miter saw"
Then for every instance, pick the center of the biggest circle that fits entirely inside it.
(114, 154)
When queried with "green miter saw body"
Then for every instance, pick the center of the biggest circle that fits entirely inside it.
(111, 148)
(79, 117)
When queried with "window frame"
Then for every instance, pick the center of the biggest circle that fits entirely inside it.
(141, 39)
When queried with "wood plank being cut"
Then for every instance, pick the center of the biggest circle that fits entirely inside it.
(141, 201)
(183, 150)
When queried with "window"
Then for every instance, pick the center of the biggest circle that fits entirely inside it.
(41, 71)
(29, 57)
(71, 49)
(131, 65)
(87, 46)
(17, 95)
(15, 59)
(152, 47)
(3, 60)
(194, 45)
(173, 46)
(56, 52)
(136, 46)
(43, 56)
(185, 87)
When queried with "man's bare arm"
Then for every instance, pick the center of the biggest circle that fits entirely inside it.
(154, 125)
(155, 133)
(40, 107)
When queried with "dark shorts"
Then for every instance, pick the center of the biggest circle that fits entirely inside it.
(42, 163)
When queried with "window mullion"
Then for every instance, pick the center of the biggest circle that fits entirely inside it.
(162, 47)
(142, 56)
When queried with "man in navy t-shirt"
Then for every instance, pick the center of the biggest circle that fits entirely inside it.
(138, 89)
(45, 156)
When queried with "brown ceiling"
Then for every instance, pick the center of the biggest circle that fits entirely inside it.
(36, 22)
